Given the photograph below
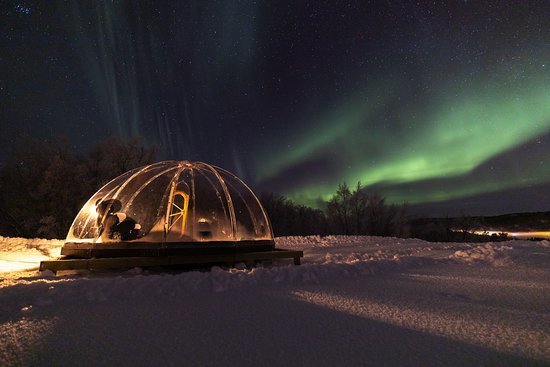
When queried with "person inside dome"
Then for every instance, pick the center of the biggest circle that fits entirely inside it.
(115, 225)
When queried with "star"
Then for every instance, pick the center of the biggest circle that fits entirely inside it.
(21, 9)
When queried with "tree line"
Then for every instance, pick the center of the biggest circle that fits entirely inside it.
(348, 212)
(44, 185)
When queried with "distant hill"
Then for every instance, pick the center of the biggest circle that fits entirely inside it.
(537, 221)
(518, 221)
(462, 228)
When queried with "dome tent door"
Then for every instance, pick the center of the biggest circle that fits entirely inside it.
(176, 213)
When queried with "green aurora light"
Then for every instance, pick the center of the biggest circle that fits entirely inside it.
(464, 126)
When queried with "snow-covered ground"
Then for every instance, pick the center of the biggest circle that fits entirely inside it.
(355, 301)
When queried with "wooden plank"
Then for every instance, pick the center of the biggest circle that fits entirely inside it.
(277, 254)
(132, 262)
(150, 249)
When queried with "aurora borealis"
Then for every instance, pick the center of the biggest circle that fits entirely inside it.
(445, 106)
(461, 134)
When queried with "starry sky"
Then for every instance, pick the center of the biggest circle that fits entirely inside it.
(444, 105)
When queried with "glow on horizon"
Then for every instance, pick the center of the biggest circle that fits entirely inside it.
(515, 234)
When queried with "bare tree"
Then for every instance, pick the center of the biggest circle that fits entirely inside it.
(112, 157)
(359, 202)
(339, 208)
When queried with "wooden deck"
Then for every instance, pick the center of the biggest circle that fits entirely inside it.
(133, 262)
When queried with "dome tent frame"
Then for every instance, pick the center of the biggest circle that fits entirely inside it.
(179, 211)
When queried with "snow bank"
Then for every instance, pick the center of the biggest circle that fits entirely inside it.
(510, 253)
(489, 253)
(349, 254)
(304, 242)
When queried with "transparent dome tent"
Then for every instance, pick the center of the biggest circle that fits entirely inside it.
(167, 208)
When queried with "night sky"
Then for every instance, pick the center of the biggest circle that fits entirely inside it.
(444, 105)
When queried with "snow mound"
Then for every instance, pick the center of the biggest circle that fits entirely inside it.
(489, 253)
(316, 241)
